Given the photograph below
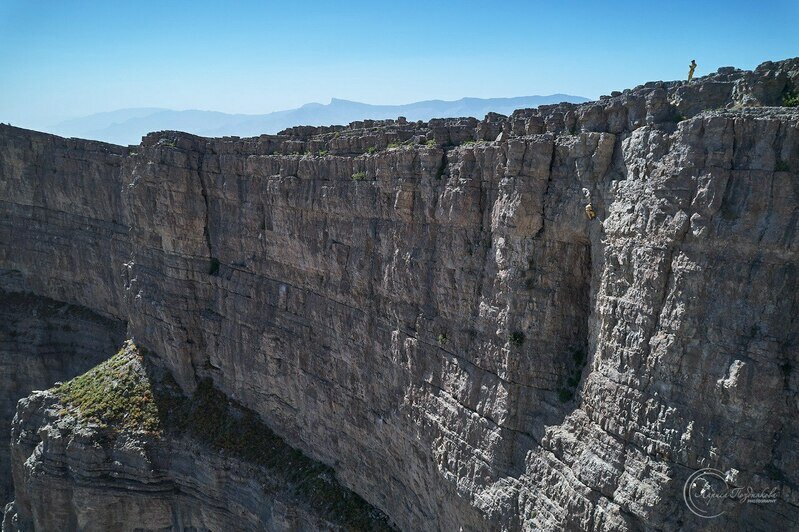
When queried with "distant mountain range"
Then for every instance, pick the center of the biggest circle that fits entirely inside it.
(127, 126)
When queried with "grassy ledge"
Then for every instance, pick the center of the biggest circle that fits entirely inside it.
(125, 394)
(114, 394)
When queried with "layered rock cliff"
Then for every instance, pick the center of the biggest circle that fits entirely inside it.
(59, 265)
(434, 311)
(43, 341)
(146, 458)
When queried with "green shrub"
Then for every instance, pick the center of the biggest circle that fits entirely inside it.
(213, 267)
(790, 98)
(442, 338)
(371, 150)
(125, 394)
(430, 143)
(223, 425)
(565, 395)
(516, 338)
(359, 176)
(115, 394)
(781, 166)
(786, 368)
(322, 153)
(579, 360)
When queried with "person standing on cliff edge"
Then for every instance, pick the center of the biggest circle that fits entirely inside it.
(691, 69)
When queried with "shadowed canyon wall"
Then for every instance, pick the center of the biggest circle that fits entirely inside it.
(427, 308)
(43, 341)
(58, 199)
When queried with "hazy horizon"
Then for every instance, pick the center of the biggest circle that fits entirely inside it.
(128, 126)
(66, 60)
(328, 101)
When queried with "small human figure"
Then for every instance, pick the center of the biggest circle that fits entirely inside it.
(589, 209)
(691, 69)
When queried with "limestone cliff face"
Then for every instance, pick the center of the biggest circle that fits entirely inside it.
(63, 229)
(427, 308)
(167, 463)
(61, 242)
(43, 341)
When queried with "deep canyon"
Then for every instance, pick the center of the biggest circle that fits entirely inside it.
(548, 320)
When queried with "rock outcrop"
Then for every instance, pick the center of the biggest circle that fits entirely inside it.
(43, 341)
(427, 308)
(146, 458)
(61, 253)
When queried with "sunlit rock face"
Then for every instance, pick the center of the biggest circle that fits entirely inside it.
(428, 308)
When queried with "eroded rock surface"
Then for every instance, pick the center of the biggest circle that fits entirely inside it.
(143, 457)
(43, 341)
(427, 308)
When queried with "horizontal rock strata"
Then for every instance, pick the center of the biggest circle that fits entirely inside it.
(427, 307)
(119, 449)
(43, 341)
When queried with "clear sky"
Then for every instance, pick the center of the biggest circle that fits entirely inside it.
(62, 59)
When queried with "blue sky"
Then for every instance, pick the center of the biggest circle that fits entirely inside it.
(63, 59)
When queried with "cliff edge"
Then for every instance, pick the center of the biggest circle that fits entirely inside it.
(545, 321)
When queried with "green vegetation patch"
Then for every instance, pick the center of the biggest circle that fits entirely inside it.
(790, 98)
(125, 393)
(565, 395)
(578, 362)
(516, 338)
(213, 266)
(211, 418)
(116, 393)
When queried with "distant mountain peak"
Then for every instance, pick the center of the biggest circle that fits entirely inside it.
(128, 126)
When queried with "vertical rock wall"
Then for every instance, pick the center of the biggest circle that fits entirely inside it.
(61, 240)
(428, 309)
(43, 341)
